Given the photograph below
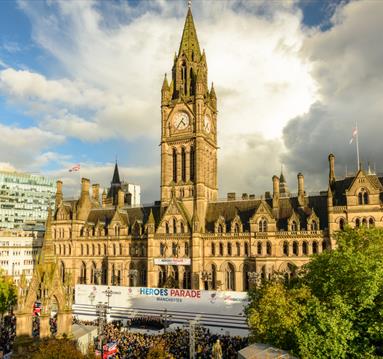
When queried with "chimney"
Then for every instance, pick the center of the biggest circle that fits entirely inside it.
(231, 196)
(96, 192)
(331, 175)
(103, 199)
(121, 198)
(301, 189)
(59, 193)
(85, 185)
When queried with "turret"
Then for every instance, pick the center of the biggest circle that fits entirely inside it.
(213, 97)
(151, 223)
(121, 198)
(165, 92)
(103, 198)
(301, 189)
(96, 192)
(275, 191)
(59, 193)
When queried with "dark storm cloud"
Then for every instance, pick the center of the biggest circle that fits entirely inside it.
(347, 64)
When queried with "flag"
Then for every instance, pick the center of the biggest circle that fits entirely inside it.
(75, 168)
(354, 134)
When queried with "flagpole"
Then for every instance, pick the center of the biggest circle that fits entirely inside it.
(357, 145)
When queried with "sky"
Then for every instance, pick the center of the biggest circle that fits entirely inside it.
(80, 83)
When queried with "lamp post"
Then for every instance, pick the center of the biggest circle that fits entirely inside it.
(108, 292)
(133, 273)
(165, 317)
(101, 309)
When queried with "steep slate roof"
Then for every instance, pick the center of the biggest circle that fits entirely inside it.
(229, 209)
(189, 41)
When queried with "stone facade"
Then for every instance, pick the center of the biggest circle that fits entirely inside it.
(220, 244)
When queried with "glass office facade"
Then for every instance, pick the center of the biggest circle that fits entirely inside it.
(24, 199)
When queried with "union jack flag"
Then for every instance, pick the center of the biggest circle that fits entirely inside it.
(75, 168)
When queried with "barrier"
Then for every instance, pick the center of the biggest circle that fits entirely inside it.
(211, 308)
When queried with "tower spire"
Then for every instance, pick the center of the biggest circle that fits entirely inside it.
(116, 175)
(189, 42)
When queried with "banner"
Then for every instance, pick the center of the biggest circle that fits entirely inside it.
(189, 300)
(172, 261)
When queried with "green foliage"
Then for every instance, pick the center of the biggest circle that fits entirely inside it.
(333, 309)
(275, 312)
(49, 348)
(8, 294)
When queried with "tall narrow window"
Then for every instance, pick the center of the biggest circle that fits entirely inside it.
(365, 198)
(229, 249)
(360, 198)
(213, 249)
(192, 161)
(174, 165)
(183, 164)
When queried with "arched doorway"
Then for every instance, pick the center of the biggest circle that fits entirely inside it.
(230, 277)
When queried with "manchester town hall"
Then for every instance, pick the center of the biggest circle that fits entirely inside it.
(190, 238)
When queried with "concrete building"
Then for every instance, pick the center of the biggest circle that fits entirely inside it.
(19, 251)
(190, 238)
(24, 199)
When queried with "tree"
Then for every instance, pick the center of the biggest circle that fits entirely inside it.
(8, 293)
(334, 308)
(49, 348)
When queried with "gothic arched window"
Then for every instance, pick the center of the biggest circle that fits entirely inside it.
(229, 249)
(192, 161)
(268, 248)
(304, 248)
(174, 165)
(221, 249)
(213, 249)
(341, 224)
(259, 248)
(285, 248)
(183, 164)
(295, 248)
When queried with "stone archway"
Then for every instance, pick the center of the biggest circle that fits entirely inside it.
(47, 286)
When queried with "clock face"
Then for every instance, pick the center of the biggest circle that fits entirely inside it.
(181, 121)
(207, 124)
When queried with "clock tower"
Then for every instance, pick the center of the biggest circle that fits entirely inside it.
(189, 128)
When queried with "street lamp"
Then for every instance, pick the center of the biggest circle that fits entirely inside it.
(134, 273)
(101, 309)
(165, 317)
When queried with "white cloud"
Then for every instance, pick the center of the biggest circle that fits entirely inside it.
(26, 148)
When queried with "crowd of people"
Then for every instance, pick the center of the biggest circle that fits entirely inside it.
(133, 345)
(7, 333)
(176, 342)
(148, 322)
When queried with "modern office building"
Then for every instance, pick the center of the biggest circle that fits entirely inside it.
(24, 199)
(18, 252)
